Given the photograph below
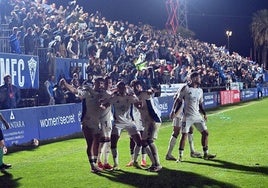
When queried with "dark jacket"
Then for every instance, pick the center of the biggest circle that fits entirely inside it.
(9, 96)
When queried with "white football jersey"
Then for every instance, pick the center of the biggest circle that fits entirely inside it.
(192, 98)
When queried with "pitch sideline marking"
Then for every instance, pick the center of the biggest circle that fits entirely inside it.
(221, 111)
(234, 108)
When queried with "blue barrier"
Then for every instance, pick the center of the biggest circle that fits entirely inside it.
(248, 94)
(44, 122)
(65, 67)
(165, 104)
(211, 100)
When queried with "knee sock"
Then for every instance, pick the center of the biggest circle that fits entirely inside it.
(191, 142)
(115, 156)
(172, 143)
(143, 153)
(100, 151)
(180, 152)
(106, 152)
(155, 153)
(137, 150)
(150, 154)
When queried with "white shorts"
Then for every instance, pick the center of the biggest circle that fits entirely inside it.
(130, 128)
(150, 130)
(177, 121)
(106, 128)
(93, 124)
(199, 124)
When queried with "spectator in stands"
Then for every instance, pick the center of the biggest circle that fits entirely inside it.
(47, 31)
(92, 47)
(119, 37)
(54, 45)
(37, 19)
(73, 47)
(29, 44)
(21, 35)
(61, 12)
(75, 82)
(114, 74)
(3, 12)
(83, 47)
(14, 20)
(259, 84)
(9, 94)
(62, 50)
(22, 14)
(50, 84)
(27, 22)
(14, 41)
(46, 40)
(60, 94)
(3, 166)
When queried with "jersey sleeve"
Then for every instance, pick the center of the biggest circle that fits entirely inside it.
(201, 96)
(182, 92)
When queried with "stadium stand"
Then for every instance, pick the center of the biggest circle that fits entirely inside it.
(121, 49)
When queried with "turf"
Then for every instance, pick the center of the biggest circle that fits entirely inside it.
(238, 135)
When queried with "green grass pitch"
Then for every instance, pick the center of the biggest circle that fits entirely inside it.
(237, 134)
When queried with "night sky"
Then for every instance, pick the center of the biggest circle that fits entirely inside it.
(209, 19)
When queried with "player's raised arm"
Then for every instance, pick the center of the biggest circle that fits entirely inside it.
(68, 86)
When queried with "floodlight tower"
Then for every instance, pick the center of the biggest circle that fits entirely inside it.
(182, 14)
(177, 16)
(172, 10)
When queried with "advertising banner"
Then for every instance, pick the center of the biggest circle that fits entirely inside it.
(165, 104)
(44, 122)
(23, 126)
(65, 67)
(24, 70)
(211, 100)
(60, 120)
(248, 94)
(265, 91)
(229, 96)
(170, 89)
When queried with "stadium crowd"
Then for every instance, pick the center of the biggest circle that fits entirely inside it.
(120, 49)
(122, 52)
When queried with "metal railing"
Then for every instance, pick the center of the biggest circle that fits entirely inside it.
(4, 45)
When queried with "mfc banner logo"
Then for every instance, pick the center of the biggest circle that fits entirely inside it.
(24, 70)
